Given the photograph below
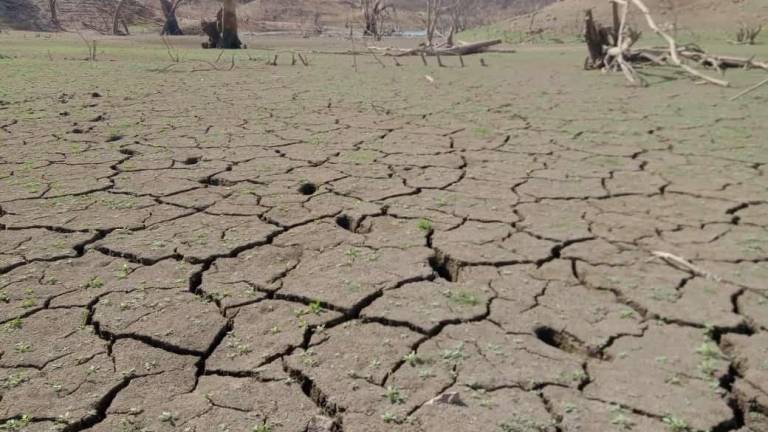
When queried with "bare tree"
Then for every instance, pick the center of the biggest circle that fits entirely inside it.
(116, 18)
(463, 12)
(433, 18)
(375, 12)
(747, 35)
(54, 14)
(229, 38)
(171, 26)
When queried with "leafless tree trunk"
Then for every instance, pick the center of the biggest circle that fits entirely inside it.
(462, 12)
(229, 38)
(54, 14)
(171, 26)
(433, 17)
(747, 35)
(116, 18)
(375, 12)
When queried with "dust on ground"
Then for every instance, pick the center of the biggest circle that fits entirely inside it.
(230, 246)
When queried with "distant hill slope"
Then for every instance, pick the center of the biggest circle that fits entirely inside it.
(254, 14)
(567, 16)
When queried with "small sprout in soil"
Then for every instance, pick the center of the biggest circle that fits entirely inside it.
(667, 295)
(315, 307)
(119, 203)
(352, 254)
(14, 380)
(496, 349)
(412, 359)
(4, 297)
(464, 298)
(123, 272)
(28, 303)
(708, 367)
(14, 324)
(389, 418)
(57, 388)
(675, 424)
(570, 408)
(455, 354)
(243, 349)
(426, 373)
(523, 424)
(573, 376)
(627, 314)
(708, 350)
(274, 330)
(308, 358)
(94, 282)
(15, 424)
(83, 320)
(619, 418)
(264, 427)
(481, 132)
(239, 347)
(709, 331)
(674, 380)
(352, 286)
(394, 396)
(374, 364)
(424, 225)
(22, 347)
(128, 425)
(168, 417)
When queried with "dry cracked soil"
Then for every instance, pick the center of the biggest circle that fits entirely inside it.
(314, 249)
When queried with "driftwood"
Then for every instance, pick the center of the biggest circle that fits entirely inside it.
(750, 90)
(461, 50)
(611, 48)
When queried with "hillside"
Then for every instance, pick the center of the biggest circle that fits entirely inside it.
(255, 15)
(566, 17)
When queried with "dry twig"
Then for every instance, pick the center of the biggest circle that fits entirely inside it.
(683, 264)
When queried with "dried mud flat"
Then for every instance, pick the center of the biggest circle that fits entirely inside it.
(311, 249)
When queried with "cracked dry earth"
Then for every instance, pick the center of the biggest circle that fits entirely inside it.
(291, 252)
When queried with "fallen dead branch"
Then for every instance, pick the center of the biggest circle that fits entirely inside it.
(611, 49)
(750, 89)
(462, 50)
(210, 66)
(683, 264)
